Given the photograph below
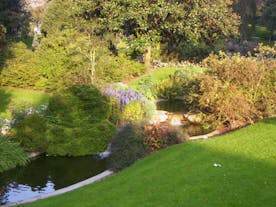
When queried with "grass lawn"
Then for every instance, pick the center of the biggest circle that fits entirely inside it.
(160, 74)
(184, 175)
(14, 98)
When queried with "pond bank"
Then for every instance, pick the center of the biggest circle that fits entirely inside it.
(66, 189)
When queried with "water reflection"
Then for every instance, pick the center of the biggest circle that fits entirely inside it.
(45, 175)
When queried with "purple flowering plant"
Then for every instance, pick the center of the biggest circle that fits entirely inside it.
(123, 96)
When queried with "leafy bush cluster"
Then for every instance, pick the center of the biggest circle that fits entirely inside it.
(51, 67)
(29, 130)
(11, 155)
(118, 68)
(127, 146)
(182, 84)
(18, 69)
(135, 141)
(239, 89)
(130, 106)
(75, 123)
(158, 138)
(78, 122)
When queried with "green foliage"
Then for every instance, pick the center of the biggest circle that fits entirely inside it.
(29, 131)
(2, 35)
(206, 20)
(11, 155)
(240, 89)
(269, 16)
(146, 85)
(118, 68)
(54, 66)
(79, 140)
(14, 17)
(193, 52)
(184, 85)
(78, 122)
(133, 112)
(19, 71)
(247, 9)
(127, 147)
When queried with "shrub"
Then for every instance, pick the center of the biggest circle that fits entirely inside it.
(29, 131)
(11, 155)
(158, 138)
(78, 122)
(81, 140)
(135, 141)
(18, 70)
(133, 112)
(127, 147)
(240, 89)
(118, 68)
(132, 105)
(182, 84)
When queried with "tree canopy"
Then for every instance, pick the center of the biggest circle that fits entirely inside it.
(147, 22)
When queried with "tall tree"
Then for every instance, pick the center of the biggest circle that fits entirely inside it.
(146, 22)
(15, 17)
(269, 16)
(247, 9)
(68, 30)
(2, 35)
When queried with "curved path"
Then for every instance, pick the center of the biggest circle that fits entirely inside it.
(65, 190)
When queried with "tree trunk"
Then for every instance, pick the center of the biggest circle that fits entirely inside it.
(92, 65)
(147, 58)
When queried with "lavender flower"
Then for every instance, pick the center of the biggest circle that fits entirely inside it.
(123, 96)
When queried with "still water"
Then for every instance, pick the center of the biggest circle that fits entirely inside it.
(176, 106)
(47, 174)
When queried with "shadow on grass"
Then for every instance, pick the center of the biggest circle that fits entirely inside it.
(5, 99)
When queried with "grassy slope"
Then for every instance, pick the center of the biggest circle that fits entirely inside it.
(10, 97)
(184, 175)
(162, 73)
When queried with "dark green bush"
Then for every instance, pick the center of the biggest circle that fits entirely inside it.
(136, 141)
(78, 122)
(127, 147)
(11, 155)
(78, 141)
(29, 131)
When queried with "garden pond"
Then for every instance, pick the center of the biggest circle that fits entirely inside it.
(178, 116)
(45, 175)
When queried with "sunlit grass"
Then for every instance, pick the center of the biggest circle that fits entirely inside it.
(161, 73)
(11, 99)
(185, 175)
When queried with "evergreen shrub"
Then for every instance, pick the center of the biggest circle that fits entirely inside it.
(11, 155)
(78, 122)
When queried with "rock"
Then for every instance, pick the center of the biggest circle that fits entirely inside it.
(33, 155)
(176, 119)
(194, 118)
(106, 153)
(160, 116)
